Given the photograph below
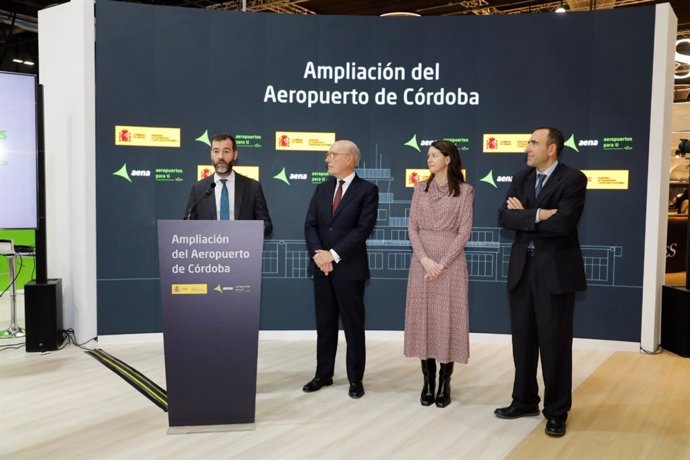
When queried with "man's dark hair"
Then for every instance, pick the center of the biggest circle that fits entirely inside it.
(554, 137)
(222, 137)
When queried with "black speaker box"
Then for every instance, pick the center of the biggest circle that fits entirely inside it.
(43, 315)
(675, 320)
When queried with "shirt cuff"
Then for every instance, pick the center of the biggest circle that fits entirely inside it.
(336, 257)
(536, 218)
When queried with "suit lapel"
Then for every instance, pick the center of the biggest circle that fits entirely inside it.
(531, 184)
(329, 188)
(239, 192)
(210, 200)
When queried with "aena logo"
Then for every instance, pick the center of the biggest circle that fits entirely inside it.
(122, 172)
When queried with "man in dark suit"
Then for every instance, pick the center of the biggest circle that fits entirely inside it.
(227, 195)
(341, 215)
(543, 206)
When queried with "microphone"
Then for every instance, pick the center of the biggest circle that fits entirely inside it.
(208, 191)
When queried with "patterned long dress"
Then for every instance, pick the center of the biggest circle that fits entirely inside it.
(436, 314)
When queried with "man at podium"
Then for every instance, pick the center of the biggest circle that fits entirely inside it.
(226, 195)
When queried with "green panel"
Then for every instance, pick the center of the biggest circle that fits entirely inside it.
(27, 273)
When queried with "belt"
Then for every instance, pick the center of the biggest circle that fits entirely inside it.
(531, 252)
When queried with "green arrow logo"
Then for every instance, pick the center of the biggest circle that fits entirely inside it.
(122, 172)
(204, 138)
(413, 143)
(218, 289)
(571, 143)
(282, 176)
(489, 179)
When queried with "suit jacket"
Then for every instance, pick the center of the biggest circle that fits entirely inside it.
(556, 243)
(250, 203)
(347, 231)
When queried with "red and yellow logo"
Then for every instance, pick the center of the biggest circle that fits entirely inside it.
(124, 135)
(413, 176)
(187, 289)
(505, 143)
(304, 141)
(147, 136)
(612, 179)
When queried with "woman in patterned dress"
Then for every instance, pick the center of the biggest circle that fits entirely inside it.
(436, 313)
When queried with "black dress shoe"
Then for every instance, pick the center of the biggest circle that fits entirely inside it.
(316, 384)
(555, 427)
(356, 390)
(514, 411)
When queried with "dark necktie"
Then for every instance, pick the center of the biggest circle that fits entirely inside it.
(540, 184)
(224, 201)
(338, 195)
(537, 191)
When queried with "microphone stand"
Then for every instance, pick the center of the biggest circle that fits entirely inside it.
(210, 189)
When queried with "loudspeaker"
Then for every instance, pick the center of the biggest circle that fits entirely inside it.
(43, 315)
(675, 320)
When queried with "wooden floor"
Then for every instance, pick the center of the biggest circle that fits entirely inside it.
(65, 405)
(632, 407)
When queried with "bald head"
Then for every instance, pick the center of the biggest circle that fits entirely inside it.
(342, 158)
(349, 147)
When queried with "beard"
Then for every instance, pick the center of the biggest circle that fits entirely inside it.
(222, 168)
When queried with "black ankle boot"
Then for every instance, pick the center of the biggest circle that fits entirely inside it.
(429, 371)
(443, 395)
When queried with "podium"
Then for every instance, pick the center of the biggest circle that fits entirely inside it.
(210, 279)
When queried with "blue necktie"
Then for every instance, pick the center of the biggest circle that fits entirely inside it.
(224, 201)
(540, 184)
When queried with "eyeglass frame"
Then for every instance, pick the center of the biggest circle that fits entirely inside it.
(332, 155)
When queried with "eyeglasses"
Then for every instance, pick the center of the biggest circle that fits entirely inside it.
(332, 155)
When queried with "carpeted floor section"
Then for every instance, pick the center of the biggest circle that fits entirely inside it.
(627, 409)
(139, 381)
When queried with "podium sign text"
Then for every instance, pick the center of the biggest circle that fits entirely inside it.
(210, 275)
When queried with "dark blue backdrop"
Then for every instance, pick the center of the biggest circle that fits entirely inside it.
(587, 73)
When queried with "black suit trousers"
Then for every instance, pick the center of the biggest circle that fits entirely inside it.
(542, 323)
(344, 298)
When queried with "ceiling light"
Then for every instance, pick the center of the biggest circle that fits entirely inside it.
(560, 9)
(18, 61)
(399, 13)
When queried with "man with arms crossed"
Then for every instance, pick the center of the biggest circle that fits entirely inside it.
(543, 207)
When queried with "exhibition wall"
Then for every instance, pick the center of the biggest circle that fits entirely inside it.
(287, 86)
